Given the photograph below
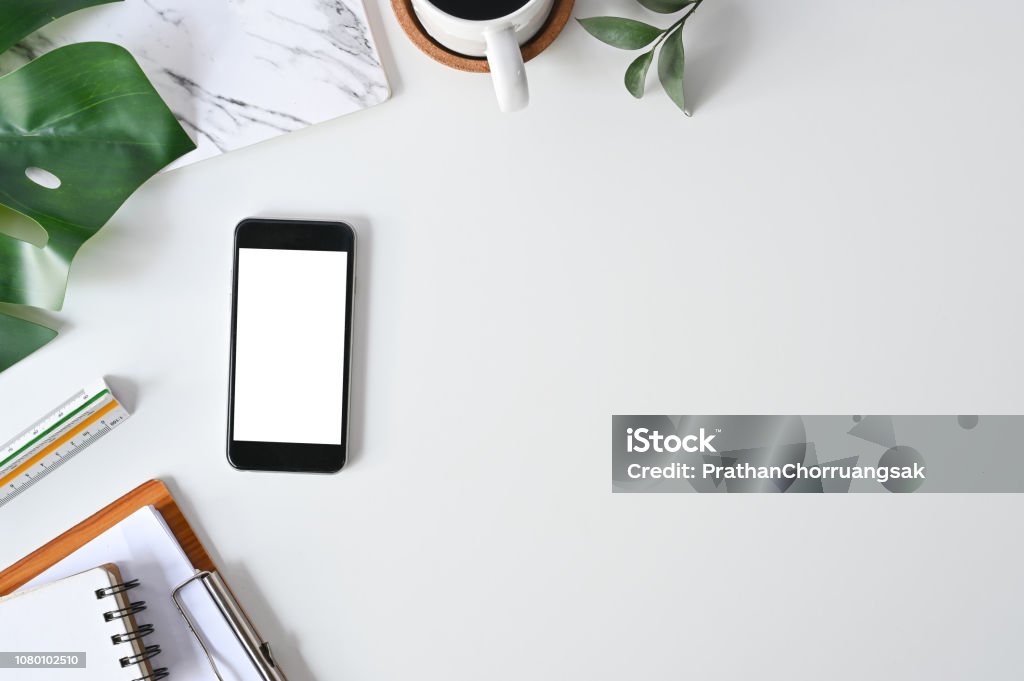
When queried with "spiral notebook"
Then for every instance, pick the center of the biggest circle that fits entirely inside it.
(145, 549)
(90, 620)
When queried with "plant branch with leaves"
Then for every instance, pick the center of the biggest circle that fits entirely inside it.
(630, 34)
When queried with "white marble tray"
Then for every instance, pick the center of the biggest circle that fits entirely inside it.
(236, 72)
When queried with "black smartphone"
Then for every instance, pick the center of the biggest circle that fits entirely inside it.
(291, 345)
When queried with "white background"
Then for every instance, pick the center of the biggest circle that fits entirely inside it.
(836, 230)
(290, 345)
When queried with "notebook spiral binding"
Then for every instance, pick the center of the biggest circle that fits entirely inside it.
(137, 634)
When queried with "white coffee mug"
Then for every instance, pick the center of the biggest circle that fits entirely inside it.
(497, 39)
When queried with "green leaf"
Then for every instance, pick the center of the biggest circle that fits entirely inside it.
(19, 338)
(19, 18)
(87, 114)
(625, 34)
(665, 6)
(670, 67)
(636, 74)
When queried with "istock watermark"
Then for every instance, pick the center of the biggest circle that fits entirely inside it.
(644, 439)
(817, 454)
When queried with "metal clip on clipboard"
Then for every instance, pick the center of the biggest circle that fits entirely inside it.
(255, 647)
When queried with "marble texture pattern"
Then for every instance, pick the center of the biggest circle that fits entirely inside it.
(236, 72)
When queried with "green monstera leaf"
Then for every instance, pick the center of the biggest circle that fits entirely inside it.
(19, 18)
(19, 338)
(81, 128)
(87, 115)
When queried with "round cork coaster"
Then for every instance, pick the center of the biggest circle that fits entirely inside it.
(560, 14)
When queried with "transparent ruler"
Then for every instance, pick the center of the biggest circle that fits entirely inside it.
(56, 438)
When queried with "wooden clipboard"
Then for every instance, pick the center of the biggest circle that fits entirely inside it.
(153, 493)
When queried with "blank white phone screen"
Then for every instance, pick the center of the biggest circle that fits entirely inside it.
(290, 345)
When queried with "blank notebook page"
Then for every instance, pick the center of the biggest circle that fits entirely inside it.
(67, 617)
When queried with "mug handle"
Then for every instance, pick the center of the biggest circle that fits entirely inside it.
(507, 69)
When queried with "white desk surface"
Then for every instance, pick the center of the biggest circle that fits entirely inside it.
(836, 230)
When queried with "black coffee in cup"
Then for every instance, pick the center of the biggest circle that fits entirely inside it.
(478, 10)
